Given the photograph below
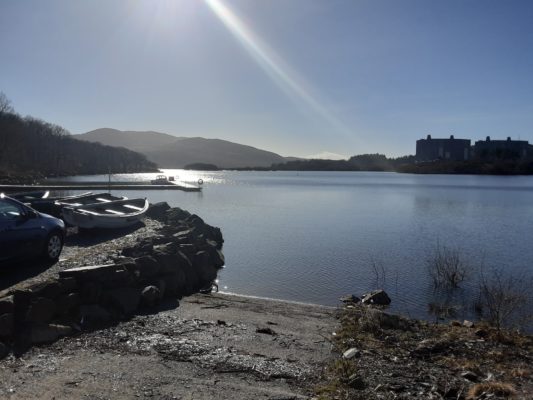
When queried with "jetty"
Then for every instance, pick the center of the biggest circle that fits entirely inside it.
(53, 186)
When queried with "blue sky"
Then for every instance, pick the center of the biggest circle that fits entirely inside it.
(296, 77)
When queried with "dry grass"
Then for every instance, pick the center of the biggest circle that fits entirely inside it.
(493, 388)
(461, 364)
(521, 373)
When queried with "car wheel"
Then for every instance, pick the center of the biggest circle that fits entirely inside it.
(53, 246)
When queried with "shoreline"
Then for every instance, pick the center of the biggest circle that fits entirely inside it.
(210, 346)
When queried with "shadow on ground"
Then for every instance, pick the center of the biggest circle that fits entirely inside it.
(14, 272)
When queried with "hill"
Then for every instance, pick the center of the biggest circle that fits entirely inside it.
(169, 151)
(31, 148)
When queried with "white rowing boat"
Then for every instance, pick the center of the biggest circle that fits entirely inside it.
(109, 215)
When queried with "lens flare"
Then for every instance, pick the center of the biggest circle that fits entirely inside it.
(275, 68)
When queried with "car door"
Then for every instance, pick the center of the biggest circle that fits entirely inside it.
(20, 231)
(9, 246)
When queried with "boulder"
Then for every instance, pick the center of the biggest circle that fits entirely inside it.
(158, 210)
(217, 258)
(91, 273)
(125, 300)
(49, 333)
(4, 350)
(93, 314)
(53, 288)
(41, 310)
(147, 266)
(350, 298)
(174, 284)
(91, 292)
(67, 302)
(176, 214)
(150, 296)
(7, 305)
(376, 297)
(7, 323)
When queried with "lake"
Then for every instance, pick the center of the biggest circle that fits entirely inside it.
(315, 236)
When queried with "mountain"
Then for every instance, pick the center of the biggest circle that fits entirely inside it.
(31, 148)
(169, 151)
(136, 141)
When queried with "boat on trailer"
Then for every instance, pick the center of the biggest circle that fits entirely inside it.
(108, 215)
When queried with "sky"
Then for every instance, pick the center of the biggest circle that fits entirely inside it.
(297, 77)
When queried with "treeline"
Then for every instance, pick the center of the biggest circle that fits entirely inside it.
(33, 148)
(363, 162)
(474, 167)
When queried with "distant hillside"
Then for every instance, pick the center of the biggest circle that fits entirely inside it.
(136, 141)
(31, 148)
(169, 151)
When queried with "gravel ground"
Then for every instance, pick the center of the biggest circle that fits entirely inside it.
(214, 346)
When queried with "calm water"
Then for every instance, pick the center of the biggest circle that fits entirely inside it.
(314, 236)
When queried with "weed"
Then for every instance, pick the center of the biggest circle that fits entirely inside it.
(491, 388)
(447, 267)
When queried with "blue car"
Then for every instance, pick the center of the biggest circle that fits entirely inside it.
(26, 233)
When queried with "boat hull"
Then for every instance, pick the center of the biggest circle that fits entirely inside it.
(90, 217)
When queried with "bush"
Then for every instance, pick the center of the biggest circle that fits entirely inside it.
(446, 267)
(504, 300)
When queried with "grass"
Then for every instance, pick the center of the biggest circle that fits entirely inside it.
(490, 388)
(440, 353)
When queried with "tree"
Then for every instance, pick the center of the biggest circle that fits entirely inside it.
(5, 104)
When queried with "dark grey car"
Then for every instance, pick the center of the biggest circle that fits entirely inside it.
(26, 233)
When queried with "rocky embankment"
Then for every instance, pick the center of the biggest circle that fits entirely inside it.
(181, 259)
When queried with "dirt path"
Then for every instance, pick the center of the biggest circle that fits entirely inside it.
(210, 347)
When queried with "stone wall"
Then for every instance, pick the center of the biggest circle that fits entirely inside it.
(182, 259)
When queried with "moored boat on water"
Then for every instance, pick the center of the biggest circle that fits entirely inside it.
(110, 215)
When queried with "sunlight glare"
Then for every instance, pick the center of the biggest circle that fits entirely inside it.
(280, 73)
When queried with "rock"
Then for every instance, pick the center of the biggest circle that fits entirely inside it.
(7, 305)
(375, 318)
(470, 376)
(350, 298)
(481, 333)
(158, 211)
(356, 382)
(167, 261)
(53, 288)
(119, 278)
(91, 292)
(4, 350)
(41, 310)
(67, 303)
(150, 296)
(176, 214)
(217, 258)
(174, 283)
(91, 273)
(49, 333)
(184, 235)
(93, 314)
(377, 297)
(125, 300)
(266, 331)
(206, 270)
(468, 324)
(162, 286)
(7, 323)
(350, 353)
(147, 266)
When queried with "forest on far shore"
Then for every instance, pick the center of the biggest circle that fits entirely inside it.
(31, 148)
